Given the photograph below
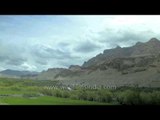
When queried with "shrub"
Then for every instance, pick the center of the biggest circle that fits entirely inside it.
(82, 95)
(129, 97)
(91, 95)
(46, 92)
(152, 65)
(58, 93)
(33, 88)
(146, 98)
(66, 94)
(15, 88)
(27, 95)
(124, 72)
(139, 69)
(155, 97)
(74, 96)
(104, 96)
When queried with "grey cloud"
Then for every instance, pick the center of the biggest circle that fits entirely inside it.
(11, 56)
(12, 60)
(63, 44)
(123, 37)
(50, 53)
(3, 58)
(15, 61)
(41, 62)
(46, 56)
(86, 47)
(67, 63)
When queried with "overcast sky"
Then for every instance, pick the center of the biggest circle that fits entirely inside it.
(37, 43)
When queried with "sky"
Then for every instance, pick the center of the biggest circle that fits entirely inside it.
(39, 42)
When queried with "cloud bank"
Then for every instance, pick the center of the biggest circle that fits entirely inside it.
(37, 43)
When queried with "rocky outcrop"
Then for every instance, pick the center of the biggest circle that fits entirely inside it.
(75, 67)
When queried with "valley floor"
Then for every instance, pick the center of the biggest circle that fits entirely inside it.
(45, 100)
(20, 92)
(33, 92)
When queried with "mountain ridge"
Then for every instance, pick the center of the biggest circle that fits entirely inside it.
(138, 64)
(139, 49)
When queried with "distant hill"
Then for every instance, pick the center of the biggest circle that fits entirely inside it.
(50, 74)
(17, 73)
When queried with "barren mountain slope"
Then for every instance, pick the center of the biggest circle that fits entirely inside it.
(139, 64)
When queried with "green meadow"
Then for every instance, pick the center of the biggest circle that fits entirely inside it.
(35, 92)
(44, 100)
(21, 92)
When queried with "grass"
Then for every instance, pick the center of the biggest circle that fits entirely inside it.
(26, 92)
(45, 100)
(32, 92)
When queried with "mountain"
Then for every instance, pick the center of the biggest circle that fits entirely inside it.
(135, 65)
(152, 47)
(17, 73)
(75, 67)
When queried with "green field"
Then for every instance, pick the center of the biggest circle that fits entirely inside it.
(45, 100)
(18, 92)
(34, 92)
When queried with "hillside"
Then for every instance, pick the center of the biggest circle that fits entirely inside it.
(152, 47)
(135, 65)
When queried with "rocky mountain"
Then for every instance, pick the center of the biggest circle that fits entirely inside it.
(75, 67)
(152, 47)
(135, 65)
(17, 73)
